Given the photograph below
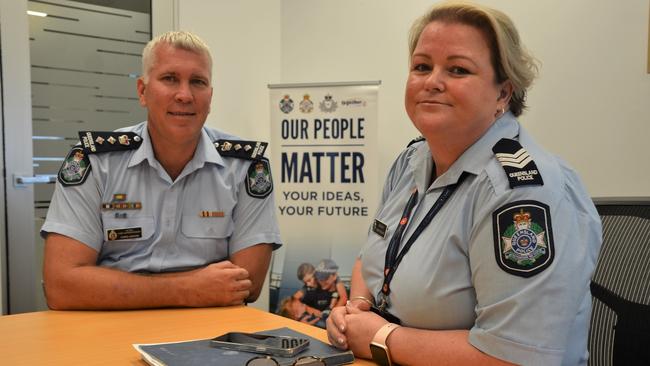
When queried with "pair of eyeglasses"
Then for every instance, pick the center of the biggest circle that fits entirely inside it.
(333, 360)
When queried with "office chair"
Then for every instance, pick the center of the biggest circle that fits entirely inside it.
(620, 321)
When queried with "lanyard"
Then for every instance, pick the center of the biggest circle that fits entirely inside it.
(393, 257)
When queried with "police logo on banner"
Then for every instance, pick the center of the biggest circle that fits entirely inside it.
(523, 238)
(258, 180)
(75, 168)
(328, 104)
(306, 105)
(286, 104)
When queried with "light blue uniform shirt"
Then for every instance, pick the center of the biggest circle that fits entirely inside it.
(174, 235)
(450, 278)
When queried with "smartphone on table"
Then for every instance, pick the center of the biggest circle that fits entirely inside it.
(261, 343)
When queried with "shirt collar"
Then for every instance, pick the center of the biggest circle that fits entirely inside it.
(145, 152)
(205, 152)
(473, 160)
(476, 157)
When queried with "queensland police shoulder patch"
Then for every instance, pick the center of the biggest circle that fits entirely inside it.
(258, 179)
(523, 238)
(75, 167)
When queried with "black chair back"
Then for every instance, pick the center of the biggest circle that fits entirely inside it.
(620, 319)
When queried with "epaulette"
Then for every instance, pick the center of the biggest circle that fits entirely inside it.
(519, 166)
(415, 140)
(250, 150)
(94, 142)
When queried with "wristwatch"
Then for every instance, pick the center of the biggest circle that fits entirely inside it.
(378, 347)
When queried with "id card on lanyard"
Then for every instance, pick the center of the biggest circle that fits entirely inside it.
(393, 255)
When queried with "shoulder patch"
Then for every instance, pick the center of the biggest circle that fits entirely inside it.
(523, 238)
(75, 167)
(95, 142)
(519, 166)
(415, 140)
(259, 183)
(250, 150)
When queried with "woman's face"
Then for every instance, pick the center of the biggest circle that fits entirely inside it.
(451, 91)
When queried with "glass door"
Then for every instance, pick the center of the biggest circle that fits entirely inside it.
(84, 60)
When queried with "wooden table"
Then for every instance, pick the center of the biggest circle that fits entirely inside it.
(106, 337)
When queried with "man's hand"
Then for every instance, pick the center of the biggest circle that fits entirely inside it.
(73, 280)
(220, 284)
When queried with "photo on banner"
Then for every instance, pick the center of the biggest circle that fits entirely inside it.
(325, 170)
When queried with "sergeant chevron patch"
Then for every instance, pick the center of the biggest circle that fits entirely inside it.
(517, 163)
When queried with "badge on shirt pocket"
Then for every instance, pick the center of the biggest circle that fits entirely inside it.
(523, 238)
(380, 228)
(126, 233)
(131, 228)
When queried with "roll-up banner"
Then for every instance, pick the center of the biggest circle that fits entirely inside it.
(325, 171)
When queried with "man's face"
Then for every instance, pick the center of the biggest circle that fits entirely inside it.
(177, 94)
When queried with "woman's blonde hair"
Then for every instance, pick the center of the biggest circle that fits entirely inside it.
(510, 60)
(178, 39)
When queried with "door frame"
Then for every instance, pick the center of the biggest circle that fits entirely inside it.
(18, 209)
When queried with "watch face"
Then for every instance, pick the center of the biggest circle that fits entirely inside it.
(380, 355)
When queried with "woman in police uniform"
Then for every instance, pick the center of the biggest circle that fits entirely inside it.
(483, 243)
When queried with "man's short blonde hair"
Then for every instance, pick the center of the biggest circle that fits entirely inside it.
(178, 39)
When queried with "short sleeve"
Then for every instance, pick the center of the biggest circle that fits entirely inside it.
(254, 220)
(75, 212)
(538, 318)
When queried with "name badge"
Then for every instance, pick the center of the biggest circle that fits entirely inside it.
(128, 233)
(380, 228)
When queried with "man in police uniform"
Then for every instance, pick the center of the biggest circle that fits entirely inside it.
(163, 213)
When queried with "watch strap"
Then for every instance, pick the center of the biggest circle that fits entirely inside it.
(382, 334)
(379, 343)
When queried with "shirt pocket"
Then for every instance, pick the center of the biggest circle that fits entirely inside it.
(195, 227)
(132, 229)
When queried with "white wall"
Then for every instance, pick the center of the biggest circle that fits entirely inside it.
(244, 37)
(591, 104)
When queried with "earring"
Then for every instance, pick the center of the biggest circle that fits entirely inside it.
(500, 112)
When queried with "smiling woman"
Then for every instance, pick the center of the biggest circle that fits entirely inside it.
(452, 93)
(474, 249)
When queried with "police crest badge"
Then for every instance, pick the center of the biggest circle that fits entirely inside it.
(306, 105)
(286, 104)
(258, 179)
(523, 238)
(75, 168)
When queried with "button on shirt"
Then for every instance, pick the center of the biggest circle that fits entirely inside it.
(171, 234)
(450, 278)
